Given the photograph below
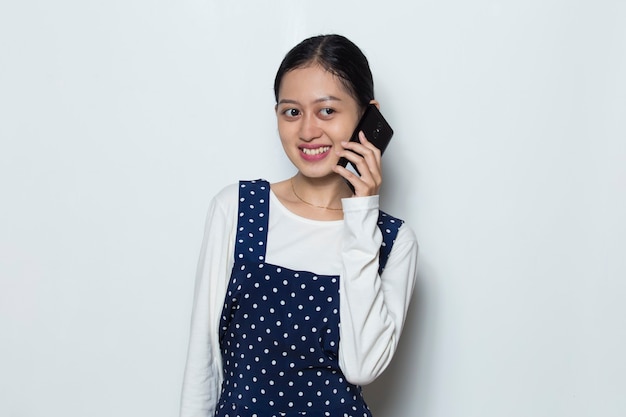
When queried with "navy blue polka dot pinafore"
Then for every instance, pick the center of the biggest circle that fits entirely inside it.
(279, 330)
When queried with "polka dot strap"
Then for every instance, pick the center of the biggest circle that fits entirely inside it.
(389, 227)
(253, 219)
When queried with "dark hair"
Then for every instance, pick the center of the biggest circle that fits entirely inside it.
(337, 55)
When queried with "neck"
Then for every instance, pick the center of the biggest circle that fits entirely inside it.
(322, 193)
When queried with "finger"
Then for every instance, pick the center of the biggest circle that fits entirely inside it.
(360, 147)
(368, 182)
(357, 160)
(349, 175)
(369, 153)
(365, 142)
(360, 187)
(374, 159)
(365, 149)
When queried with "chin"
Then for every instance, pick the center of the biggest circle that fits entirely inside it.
(318, 175)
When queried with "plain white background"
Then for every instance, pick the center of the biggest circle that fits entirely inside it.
(119, 120)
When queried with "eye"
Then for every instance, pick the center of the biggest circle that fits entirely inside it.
(291, 112)
(327, 111)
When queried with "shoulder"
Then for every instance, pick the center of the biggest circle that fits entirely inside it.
(227, 198)
(406, 234)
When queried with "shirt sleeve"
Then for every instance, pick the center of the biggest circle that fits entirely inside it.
(203, 369)
(372, 307)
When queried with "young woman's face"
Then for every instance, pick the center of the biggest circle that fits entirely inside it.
(315, 114)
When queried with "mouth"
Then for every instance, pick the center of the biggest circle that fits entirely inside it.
(315, 151)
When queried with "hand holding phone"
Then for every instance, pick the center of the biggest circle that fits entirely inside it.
(375, 128)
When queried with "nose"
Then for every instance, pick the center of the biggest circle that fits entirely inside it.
(309, 128)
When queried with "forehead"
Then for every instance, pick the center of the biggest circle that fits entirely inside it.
(310, 83)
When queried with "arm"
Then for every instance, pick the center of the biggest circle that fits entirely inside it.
(372, 307)
(203, 370)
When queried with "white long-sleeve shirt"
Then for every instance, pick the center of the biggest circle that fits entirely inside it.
(372, 307)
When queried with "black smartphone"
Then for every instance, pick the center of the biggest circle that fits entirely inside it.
(376, 130)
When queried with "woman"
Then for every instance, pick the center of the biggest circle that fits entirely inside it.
(283, 264)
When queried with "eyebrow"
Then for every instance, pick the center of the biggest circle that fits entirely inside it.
(319, 100)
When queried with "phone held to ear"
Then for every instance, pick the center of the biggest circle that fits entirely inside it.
(376, 130)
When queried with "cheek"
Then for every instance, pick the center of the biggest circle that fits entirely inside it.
(345, 130)
(282, 127)
(286, 132)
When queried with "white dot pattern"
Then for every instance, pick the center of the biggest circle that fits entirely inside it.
(279, 330)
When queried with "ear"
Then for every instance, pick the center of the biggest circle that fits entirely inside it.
(375, 103)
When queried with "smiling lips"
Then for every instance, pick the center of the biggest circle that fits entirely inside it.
(313, 154)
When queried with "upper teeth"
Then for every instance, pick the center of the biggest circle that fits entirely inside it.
(316, 151)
